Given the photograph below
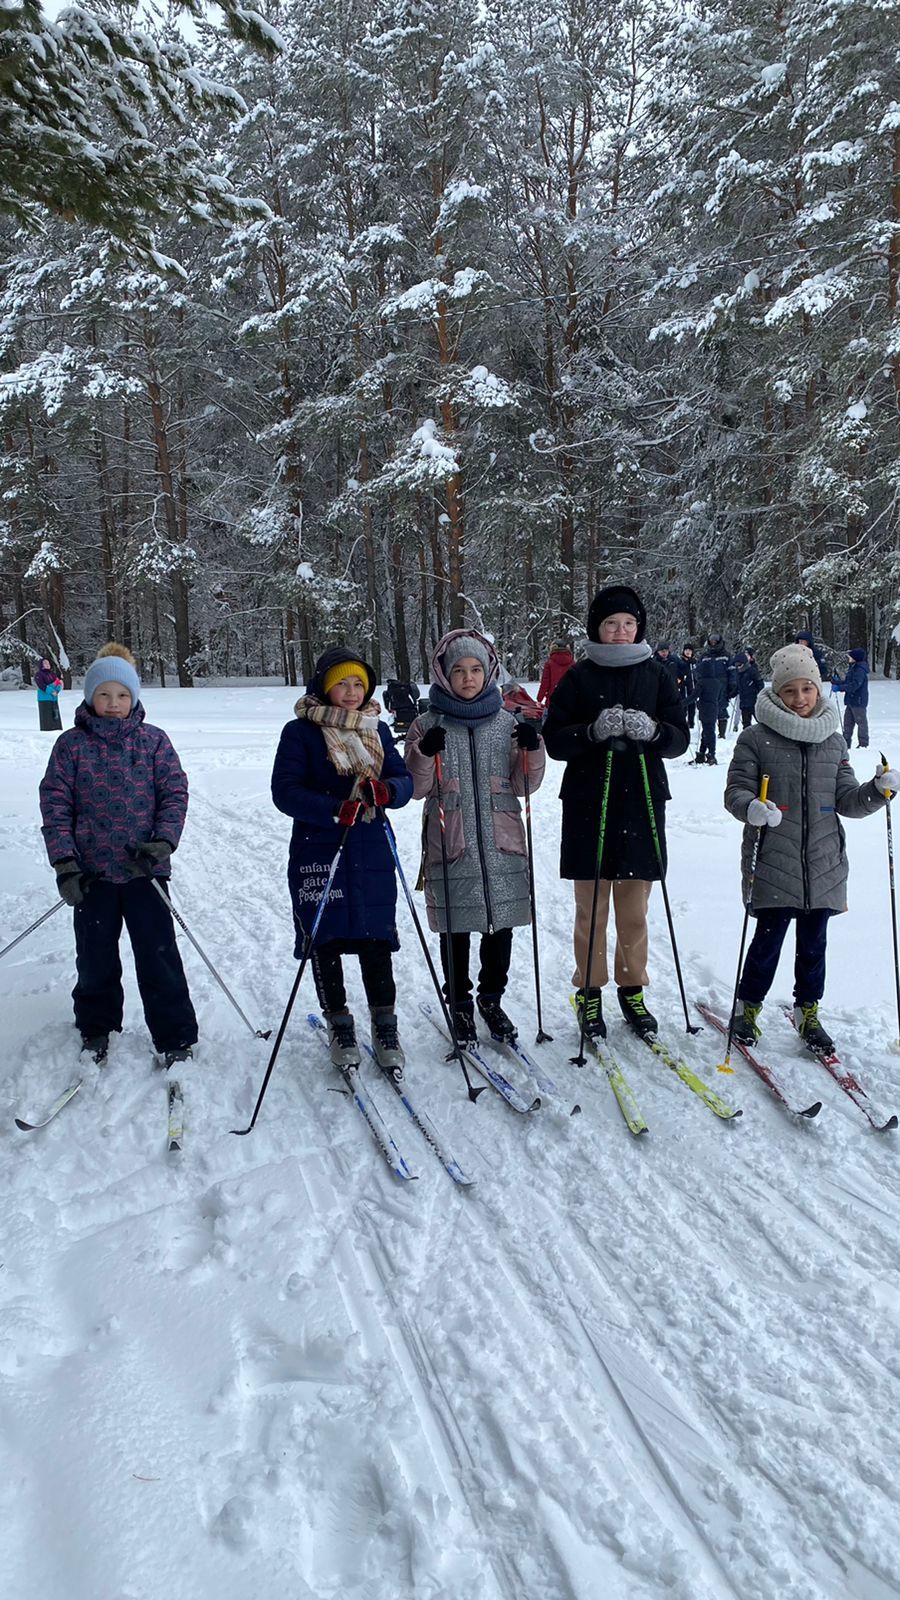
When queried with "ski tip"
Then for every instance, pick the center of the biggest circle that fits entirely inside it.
(811, 1111)
(575, 1111)
(536, 1106)
(26, 1127)
(889, 1126)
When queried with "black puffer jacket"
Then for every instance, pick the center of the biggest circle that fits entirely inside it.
(628, 848)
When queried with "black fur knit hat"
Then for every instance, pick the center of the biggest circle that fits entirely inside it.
(616, 597)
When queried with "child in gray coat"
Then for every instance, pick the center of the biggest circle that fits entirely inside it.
(801, 870)
(482, 751)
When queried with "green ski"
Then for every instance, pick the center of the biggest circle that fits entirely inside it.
(618, 1082)
(702, 1090)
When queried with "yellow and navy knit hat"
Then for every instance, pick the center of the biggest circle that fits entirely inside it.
(345, 669)
(341, 661)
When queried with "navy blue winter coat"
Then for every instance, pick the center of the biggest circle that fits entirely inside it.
(749, 680)
(716, 683)
(855, 687)
(307, 787)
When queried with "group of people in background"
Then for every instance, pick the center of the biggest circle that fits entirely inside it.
(114, 800)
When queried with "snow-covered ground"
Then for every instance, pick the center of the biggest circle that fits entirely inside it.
(615, 1369)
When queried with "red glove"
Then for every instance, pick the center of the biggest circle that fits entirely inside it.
(375, 793)
(348, 811)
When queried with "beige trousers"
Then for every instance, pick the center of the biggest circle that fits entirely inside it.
(630, 897)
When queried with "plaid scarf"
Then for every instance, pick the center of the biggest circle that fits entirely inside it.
(351, 737)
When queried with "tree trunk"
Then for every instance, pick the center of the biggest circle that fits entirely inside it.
(401, 651)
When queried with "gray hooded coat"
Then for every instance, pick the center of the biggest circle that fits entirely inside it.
(482, 778)
(802, 864)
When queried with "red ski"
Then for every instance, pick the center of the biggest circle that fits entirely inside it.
(762, 1071)
(844, 1080)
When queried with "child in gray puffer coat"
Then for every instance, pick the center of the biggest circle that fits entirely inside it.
(482, 751)
(801, 870)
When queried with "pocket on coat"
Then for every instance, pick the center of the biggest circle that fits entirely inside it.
(509, 831)
(453, 825)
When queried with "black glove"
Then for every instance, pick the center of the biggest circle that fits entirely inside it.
(152, 853)
(72, 883)
(432, 742)
(526, 736)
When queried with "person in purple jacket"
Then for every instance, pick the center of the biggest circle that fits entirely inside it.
(113, 804)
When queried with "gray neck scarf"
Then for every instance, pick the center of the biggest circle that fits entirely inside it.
(772, 712)
(616, 655)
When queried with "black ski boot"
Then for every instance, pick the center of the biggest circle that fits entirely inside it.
(463, 1015)
(589, 1004)
(500, 1026)
(810, 1028)
(342, 1039)
(744, 1026)
(96, 1046)
(183, 1053)
(634, 1010)
(386, 1043)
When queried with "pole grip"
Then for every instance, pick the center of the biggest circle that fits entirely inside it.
(764, 788)
(885, 763)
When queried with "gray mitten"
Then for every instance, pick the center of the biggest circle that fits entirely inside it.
(607, 726)
(152, 853)
(72, 883)
(638, 726)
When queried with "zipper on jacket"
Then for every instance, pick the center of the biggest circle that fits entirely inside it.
(478, 832)
(803, 825)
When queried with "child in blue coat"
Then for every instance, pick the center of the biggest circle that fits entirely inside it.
(855, 689)
(336, 765)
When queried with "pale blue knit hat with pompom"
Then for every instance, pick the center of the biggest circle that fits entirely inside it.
(112, 669)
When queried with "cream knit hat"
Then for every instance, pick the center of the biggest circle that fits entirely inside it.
(794, 661)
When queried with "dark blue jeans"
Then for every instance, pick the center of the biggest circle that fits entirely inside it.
(765, 949)
(99, 1000)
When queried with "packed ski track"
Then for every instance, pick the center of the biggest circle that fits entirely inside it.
(616, 1368)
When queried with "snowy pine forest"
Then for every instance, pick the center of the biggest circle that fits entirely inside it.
(363, 321)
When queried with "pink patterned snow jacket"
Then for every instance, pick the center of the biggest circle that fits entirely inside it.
(109, 784)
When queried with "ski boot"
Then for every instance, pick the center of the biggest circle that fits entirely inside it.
(711, 761)
(744, 1027)
(96, 1045)
(386, 1042)
(342, 1039)
(810, 1028)
(589, 1006)
(183, 1053)
(635, 1012)
(463, 1015)
(500, 1026)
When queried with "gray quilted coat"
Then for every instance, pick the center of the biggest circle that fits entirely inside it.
(802, 864)
(482, 778)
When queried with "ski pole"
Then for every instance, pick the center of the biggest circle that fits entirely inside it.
(579, 1060)
(449, 1012)
(642, 760)
(542, 1037)
(392, 842)
(18, 940)
(307, 951)
(147, 870)
(757, 846)
(890, 847)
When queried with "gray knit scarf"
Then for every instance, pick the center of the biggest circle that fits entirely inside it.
(616, 655)
(772, 712)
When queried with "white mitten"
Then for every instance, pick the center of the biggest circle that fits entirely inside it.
(763, 814)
